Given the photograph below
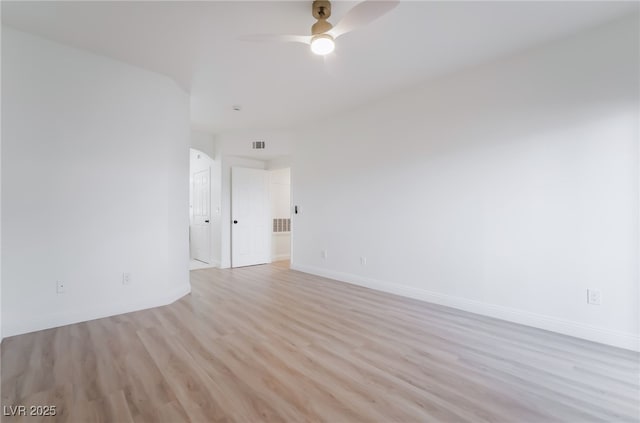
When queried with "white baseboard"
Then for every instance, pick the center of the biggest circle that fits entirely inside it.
(567, 327)
(201, 265)
(280, 257)
(67, 318)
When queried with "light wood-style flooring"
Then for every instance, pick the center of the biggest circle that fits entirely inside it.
(266, 343)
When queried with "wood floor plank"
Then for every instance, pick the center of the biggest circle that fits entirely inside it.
(265, 343)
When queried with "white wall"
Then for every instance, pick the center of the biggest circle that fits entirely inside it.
(1, 332)
(278, 143)
(507, 189)
(94, 183)
(280, 197)
(203, 142)
(280, 163)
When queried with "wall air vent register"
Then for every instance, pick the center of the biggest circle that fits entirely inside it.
(281, 225)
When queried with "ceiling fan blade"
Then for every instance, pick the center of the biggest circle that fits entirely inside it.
(332, 65)
(361, 15)
(276, 38)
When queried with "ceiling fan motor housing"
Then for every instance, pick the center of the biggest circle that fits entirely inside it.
(321, 9)
(320, 27)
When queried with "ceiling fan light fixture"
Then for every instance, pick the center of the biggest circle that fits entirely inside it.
(322, 44)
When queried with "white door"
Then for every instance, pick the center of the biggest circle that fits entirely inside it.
(250, 234)
(200, 232)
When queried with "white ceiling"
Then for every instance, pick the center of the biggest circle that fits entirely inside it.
(279, 85)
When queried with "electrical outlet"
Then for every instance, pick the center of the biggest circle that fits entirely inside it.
(60, 287)
(363, 261)
(594, 297)
(126, 278)
(324, 254)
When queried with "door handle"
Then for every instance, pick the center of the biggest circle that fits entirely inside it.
(206, 221)
(235, 222)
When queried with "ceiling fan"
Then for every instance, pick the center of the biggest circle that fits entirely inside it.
(323, 34)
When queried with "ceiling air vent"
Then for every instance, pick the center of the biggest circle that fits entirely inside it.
(258, 145)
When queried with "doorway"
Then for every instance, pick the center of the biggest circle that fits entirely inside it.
(280, 190)
(260, 216)
(201, 211)
(201, 217)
